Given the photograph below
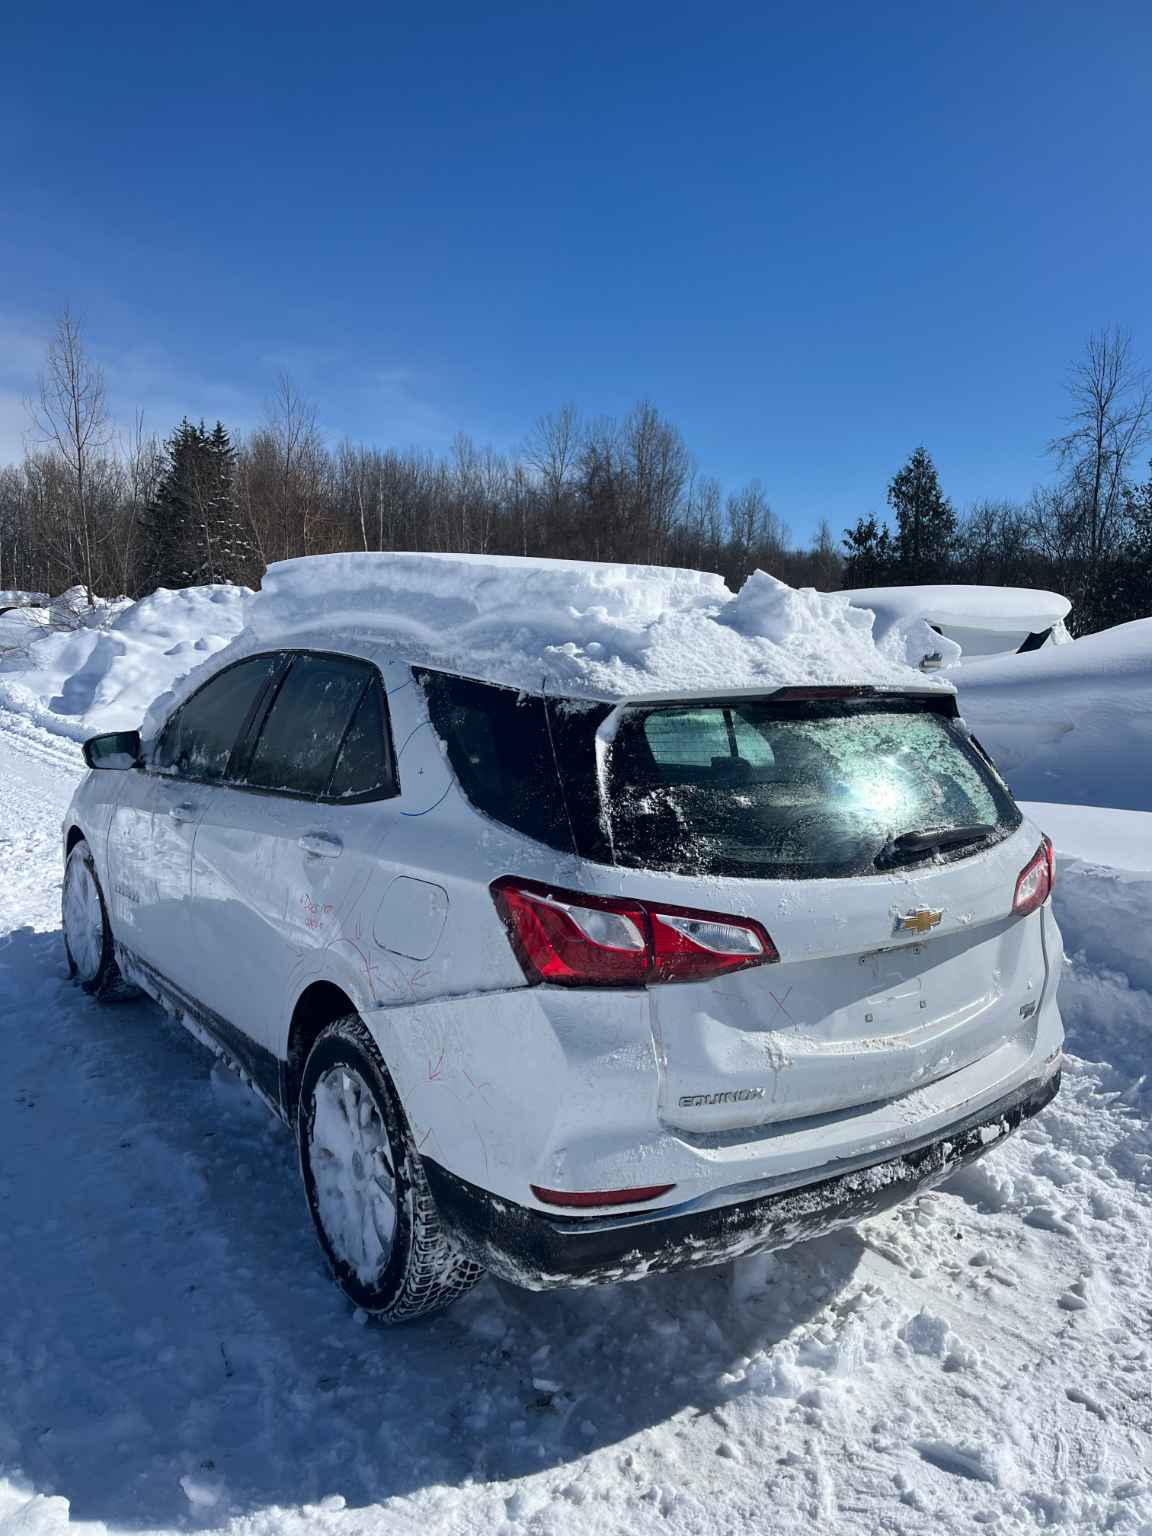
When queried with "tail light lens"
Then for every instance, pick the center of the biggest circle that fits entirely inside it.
(1035, 881)
(575, 940)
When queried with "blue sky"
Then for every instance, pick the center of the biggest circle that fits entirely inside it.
(814, 236)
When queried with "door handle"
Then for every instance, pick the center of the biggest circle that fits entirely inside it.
(321, 845)
(182, 812)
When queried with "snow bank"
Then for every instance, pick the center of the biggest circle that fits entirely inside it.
(101, 672)
(1072, 722)
(13, 598)
(1103, 900)
(580, 628)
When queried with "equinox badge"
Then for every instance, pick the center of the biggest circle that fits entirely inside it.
(919, 921)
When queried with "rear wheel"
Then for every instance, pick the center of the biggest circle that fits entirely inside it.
(87, 933)
(370, 1203)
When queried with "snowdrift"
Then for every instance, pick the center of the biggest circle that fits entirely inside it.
(579, 627)
(100, 670)
(1072, 722)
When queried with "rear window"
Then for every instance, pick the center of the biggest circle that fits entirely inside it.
(745, 789)
(763, 791)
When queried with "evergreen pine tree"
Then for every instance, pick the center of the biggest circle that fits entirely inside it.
(166, 525)
(925, 521)
(868, 553)
(192, 533)
(226, 552)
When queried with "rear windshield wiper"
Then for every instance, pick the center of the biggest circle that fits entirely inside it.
(913, 845)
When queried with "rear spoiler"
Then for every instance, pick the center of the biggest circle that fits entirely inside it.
(943, 697)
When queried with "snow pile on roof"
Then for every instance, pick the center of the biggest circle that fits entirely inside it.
(577, 627)
(1070, 722)
(102, 667)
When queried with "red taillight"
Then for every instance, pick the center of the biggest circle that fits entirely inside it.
(575, 940)
(593, 1197)
(1035, 881)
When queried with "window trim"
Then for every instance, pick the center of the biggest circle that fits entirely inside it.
(240, 758)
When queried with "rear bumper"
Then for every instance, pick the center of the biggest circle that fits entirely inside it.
(542, 1251)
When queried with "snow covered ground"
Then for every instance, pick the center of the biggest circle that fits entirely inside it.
(173, 1355)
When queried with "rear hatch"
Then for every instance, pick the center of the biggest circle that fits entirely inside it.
(878, 847)
(864, 834)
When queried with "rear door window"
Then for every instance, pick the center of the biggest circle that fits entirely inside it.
(305, 728)
(754, 790)
(199, 739)
(364, 766)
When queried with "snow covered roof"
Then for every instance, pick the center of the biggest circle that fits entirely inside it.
(1011, 609)
(580, 628)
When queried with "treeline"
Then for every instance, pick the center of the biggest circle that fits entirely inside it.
(126, 516)
(1088, 535)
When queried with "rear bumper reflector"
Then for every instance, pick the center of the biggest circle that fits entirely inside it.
(590, 1199)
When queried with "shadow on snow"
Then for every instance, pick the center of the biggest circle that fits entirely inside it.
(171, 1345)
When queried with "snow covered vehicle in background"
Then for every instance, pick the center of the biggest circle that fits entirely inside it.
(981, 621)
(584, 921)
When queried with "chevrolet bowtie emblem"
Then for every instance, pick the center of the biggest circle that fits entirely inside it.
(919, 921)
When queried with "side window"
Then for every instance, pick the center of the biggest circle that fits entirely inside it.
(198, 739)
(306, 724)
(364, 766)
(497, 741)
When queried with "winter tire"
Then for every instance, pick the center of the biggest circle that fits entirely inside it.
(370, 1203)
(87, 932)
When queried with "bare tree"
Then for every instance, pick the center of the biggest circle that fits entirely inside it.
(825, 559)
(143, 462)
(551, 451)
(300, 454)
(70, 417)
(1110, 421)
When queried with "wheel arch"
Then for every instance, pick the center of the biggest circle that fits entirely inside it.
(321, 1003)
(74, 835)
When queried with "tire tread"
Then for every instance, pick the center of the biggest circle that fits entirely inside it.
(436, 1273)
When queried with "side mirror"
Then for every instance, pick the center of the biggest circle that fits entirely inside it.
(116, 749)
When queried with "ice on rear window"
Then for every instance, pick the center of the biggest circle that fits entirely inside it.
(758, 790)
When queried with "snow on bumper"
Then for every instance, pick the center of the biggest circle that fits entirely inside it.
(545, 1251)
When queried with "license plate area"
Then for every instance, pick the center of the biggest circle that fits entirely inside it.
(895, 987)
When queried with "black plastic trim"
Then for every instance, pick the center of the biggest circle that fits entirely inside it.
(545, 1251)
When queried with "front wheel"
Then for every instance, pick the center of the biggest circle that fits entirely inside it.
(87, 933)
(370, 1202)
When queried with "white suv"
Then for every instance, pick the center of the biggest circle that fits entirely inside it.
(565, 988)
